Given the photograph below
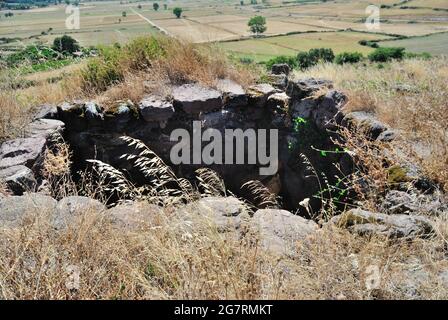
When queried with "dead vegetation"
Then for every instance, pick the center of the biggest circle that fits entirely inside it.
(410, 96)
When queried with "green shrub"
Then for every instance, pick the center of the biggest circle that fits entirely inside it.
(387, 54)
(65, 44)
(289, 60)
(308, 59)
(32, 54)
(348, 57)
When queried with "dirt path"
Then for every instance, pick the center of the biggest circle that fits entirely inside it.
(152, 23)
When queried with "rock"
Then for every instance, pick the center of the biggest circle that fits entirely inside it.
(304, 88)
(19, 179)
(69, 208)
(226, 213)
(325, 111)
(366, 123)
(279, 230)
(134, 215)
(233, 93)
(221, 119)
(118, 119)
(387, 136)
(400, 202)
(280, 68)
(195, 98)
(46, 111)
(21, 151)
(279, 100)
(92, 111)
(15, 209)
(279, 81)
(27, 151)
(258, 94)
(154, 109)
(392, 226)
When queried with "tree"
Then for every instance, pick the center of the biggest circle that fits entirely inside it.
(348, 57)
(155, 6)
(139, 6)
(165, 6)
(257, 24)
(242, 2)
(124, 14)
(177, 12)
(387, 54)
(65, 44)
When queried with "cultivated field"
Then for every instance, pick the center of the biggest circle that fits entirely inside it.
(212, 20)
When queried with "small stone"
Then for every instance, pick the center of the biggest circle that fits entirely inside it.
(258, 94)
(19, 179)
(280, 68)
(154, 109)
(233, 93)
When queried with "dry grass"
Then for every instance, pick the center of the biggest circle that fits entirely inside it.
(410, 96)
(169, 259)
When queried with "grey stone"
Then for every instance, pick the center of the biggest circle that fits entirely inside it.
(46, 111)
(69, 208)
(15, 209)
(19, 179)
(21, 151)
(392, 226)
(366, 123)
(44, 128)
(303, 88)
(280, 230)
(258, 94)
(401, 202)
(154, 109)
(195, 98)
(134, 215)
(233, 93)
(228, 214)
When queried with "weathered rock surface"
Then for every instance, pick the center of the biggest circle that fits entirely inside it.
(367, 124)
(69, 208)
(392, 226)
(133, 215)
(279, 230)
(233, 94)
(227, 213)
(15, 209)
(401, 202)
(155, 109)
(195, 98)
(258, 94)
(303, 88)
(18, 179)
(279, 100)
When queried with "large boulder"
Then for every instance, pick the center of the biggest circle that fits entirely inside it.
(15, 209)
(195, 98)
(133, 215)
(227, 214)
(379, 224)
(280, 230)
(69, 208)
(233, 93)
(154, 109)
(21, 151)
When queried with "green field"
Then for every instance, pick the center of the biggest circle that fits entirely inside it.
(266, 48)
(314, 24)
(435, 44)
